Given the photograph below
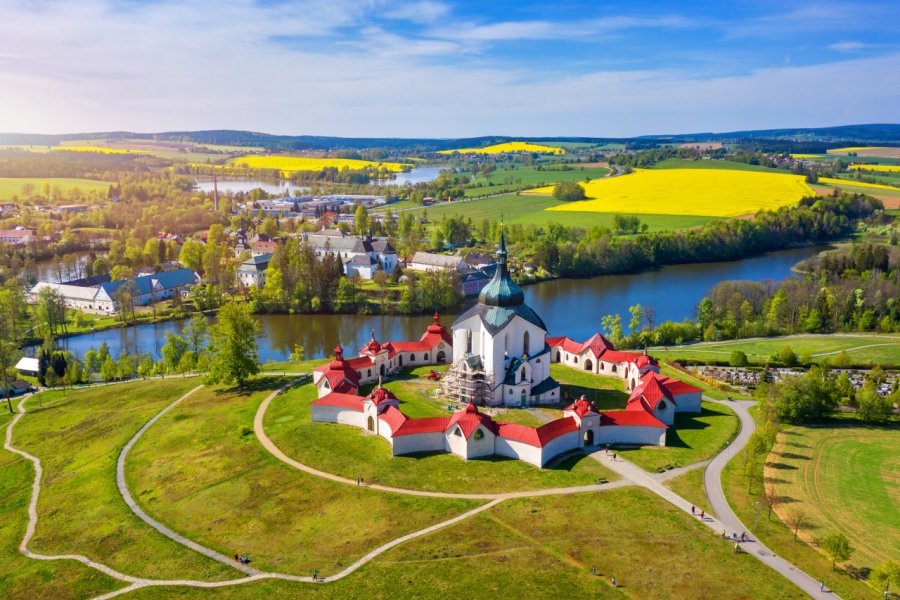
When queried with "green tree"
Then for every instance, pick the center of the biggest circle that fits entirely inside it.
(234, 355)
(109, 369)
(838, 547)
(196, 335)
(738, 359)
(568, 191)
(269, 227)
(885, 575)
(125, 366)
(795, 519)
(787, 357)
(145, 366)
(298, 353)
(191, 255)
(361, 220)
(173, 350)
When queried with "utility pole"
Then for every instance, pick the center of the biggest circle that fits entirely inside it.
(756, 518)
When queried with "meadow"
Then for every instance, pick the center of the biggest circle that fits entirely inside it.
(95, 149)
(508, 148)
(509, 180)
(866, 168)
(861, 349)
(846, 479)
(869, 151)
(305, 163)
(689, 192)
(12, 186)
(534, 210)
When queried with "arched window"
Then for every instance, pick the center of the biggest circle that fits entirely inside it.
(412, 357)
(576, 360)
(426, 356)
(525, 344)
(457, 432)
(614, 368)
(662, 405)
(469, 340)
(522, 375)
(369, 373)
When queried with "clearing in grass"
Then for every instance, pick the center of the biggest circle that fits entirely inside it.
(508, 148)
(707, 192)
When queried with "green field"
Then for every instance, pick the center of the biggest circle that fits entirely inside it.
(862, 349)
(508, 180)
(12, 186)
(202, 474)
(745, 491)
(690, 486)
(680, 163)
(847, 479)
(527, 210)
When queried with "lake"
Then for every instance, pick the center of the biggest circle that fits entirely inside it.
(416, 175)
(571, 307)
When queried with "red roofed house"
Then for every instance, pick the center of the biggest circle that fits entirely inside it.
(597, 355)
(377, 360)
(665, 396)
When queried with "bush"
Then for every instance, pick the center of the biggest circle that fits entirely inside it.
(738, 359)
(569, 191)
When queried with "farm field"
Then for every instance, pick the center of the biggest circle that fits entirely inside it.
(197, 467)
(865, 168)
(305, 163)
(889, 195)
(532, 210)
(727, 165)
(847, 480)
(508, 148)
(869, 151)
(862, 349)
(690, 192)
(12, 186)
(505, 180)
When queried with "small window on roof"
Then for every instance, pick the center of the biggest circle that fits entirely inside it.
(478, 434)
(457, 432)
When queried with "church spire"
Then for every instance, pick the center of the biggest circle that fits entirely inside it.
(502, 290)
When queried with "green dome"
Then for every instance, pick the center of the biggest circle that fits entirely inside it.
(502, 290)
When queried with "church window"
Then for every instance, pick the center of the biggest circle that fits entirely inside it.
(426, 356)
(525, 344)
(478, 434)
(662, 405)
(576, 360)
(614, 368)
(506, 342)
(412, 357)
(457, 432)
(522, 376)
(369, 373)
(468, 340)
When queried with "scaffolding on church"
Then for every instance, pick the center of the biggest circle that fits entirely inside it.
(466, 383)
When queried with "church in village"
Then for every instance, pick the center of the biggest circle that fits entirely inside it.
(499, 355)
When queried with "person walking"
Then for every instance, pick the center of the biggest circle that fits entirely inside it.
(614, 582)
(821, 586)
(594, 571)
(693, 511)
(702, 515)
(315, 574)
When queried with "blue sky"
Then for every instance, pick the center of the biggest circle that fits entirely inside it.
(433, 68)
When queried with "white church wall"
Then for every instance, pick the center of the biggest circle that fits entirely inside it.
(477, 448)
(456, 442)
(421, 442)
(519, 450)
(688, 403)
(564, 443)
(631, 434)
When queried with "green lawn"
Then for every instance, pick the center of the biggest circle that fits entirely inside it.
(866, 349)
(693, 438)
(745, 495)
(78, 437)
(529, 209)
(690, 486)
(545, 548)
(21, 577)
(12, 186)
(347, 451)
(847, 479)
(508, 180)
(201, 471)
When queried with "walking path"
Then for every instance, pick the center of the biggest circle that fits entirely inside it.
(631, 474)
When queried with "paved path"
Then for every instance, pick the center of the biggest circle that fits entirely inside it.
(712, 479)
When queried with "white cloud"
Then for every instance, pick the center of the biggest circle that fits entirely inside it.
(205, 64)
(849, 46)
(426, 11)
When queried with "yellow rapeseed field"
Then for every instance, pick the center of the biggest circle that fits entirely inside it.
(305, 163)
(98, 149)
(875, 167)
(851, 183)
(850, 149)
(803, 156)
(700, 192)
(508, 148)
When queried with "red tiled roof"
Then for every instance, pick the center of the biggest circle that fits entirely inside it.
(650, 392)
(339, 400)
(426, 425)
(615, 356)
(411, 346)
(360, 362)
(393, 417)
(597, 344)
(630, 417)
(537, 436)
(567, 344)
(436, 333)
(582, 407)
(469, 419)
(381, 395)
(678, 387)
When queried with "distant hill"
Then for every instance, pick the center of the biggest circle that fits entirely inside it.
(868, 134)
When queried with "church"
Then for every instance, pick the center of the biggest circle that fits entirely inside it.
(500, 351)
(500, 355)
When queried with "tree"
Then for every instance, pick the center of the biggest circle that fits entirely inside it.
(145, 366)
(773, 500)
(8, 352)
(787, 357)
(234, 355)
(191, 255)
(838, 546)
(125, 367)
(795, 518)
(173, 350)
(381, 279)
(738, 359)
(885, 574)
(568, 191)
(269, 227)
(298, 354)
(109, 369)
(195, 336)
(361, 220)
(756, 445)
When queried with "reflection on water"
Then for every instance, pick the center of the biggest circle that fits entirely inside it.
(570, 307)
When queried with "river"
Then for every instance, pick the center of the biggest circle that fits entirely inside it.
(571, 307)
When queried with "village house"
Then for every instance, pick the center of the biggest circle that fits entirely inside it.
(252, 272)
(17, 236)
(428, 261)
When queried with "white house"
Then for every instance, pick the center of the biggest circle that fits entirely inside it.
(597, 355)
(428, 261)
(252, 272)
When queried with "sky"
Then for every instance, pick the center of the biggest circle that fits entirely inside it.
(436, 68)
